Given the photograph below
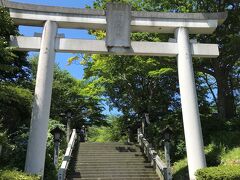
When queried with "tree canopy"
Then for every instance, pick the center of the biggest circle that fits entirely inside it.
(125, 77)
(149, 85)
(13, 65)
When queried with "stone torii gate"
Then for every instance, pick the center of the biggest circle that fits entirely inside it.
(119, 21)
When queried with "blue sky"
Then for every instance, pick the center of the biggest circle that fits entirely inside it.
(75, 69)
(61, 58)
(64, 3)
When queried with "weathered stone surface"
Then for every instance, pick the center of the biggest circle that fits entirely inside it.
(196, 16)
(36, 15)
(98, 47)
(135, 14)
(118, 25)
(51, 9)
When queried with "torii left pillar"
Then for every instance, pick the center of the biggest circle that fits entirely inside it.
(36, 150)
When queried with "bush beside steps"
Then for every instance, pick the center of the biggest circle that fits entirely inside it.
(16, 175)
(219, 173)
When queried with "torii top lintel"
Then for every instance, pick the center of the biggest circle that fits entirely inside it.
(36, 15)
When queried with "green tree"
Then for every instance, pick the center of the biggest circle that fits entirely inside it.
(13, 65)
(138, 85)
(15, 99)
(135, 85)
(223, 69)
(15, 107)
(114, 131)
(71, 94)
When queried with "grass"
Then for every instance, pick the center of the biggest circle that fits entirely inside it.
(16, 175)
(231, 157)
(215, 155)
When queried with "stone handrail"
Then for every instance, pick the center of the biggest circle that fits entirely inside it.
(156, 162)
(63, 169)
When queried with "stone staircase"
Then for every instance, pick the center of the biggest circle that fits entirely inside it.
(98, 161)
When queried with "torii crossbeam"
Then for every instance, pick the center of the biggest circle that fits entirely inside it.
(52, 18)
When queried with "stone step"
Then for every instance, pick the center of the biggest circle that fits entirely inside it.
(109, 162)
(105, 144)
(116, 165)
(107, 169)
(113, 158)
(110, 159)
(109, 147)
(108, 155)
(79, 158)
(107, 159)
(99, 151)
(120, 149)
(112, 175)
(112, 163)
(117, 178)
(105, 153)
(100, 154)
(98, 161)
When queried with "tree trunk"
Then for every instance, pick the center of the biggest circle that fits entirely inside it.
(225, 102)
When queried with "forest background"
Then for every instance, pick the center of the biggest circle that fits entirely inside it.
(134, 85)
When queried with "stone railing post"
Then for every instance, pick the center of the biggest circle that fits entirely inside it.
(67, 156)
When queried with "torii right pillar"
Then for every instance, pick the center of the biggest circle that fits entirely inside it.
(191, 120)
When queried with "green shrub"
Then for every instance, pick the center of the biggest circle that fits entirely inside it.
(213, 157)
(16, 175)
(3, 137)
(180, 170)
(113, 132)
(213, 154)
(219, 173)
(99, 134)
